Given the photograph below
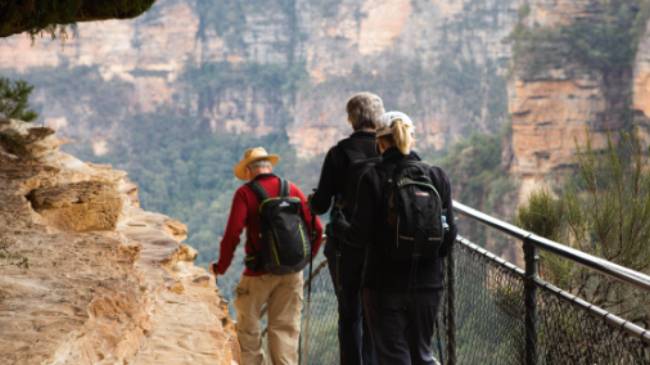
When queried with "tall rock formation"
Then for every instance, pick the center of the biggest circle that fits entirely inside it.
(88, 277)
(577, 76)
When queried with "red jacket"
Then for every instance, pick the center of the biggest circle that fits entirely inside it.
(244, 214)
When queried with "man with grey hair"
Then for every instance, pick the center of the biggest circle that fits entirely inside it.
(345, 259)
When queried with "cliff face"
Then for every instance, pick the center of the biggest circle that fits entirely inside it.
(86, 276)
(641, 87)
(577, 75)
(280, 65)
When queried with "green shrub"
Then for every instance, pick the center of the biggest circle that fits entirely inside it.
(14, 100)
(605, 42)
(605, 211)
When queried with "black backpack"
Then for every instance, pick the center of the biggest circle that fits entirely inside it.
(359, 166)
(347, 202)
(285, 240)
(414, 213)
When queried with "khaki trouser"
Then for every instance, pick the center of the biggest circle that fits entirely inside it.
(282, 295)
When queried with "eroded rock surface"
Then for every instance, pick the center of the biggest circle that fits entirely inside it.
(88, 277)
(561, 95)
(410, 52)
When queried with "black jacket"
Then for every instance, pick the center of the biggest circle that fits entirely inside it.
(368, 225)
(333, 177)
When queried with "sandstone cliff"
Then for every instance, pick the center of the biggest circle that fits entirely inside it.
(88, 277)
(580, 71)
(259, 67)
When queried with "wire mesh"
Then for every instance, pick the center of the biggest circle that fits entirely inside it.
(569, 332)
(322, 327)
(489, 310)
(489, 319)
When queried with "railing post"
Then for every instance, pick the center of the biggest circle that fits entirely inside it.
(530, 293)
(451, 309)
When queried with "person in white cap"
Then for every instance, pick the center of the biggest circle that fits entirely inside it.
(405, 215)
(281, 290)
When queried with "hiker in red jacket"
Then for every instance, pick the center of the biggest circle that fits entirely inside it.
(275, 257)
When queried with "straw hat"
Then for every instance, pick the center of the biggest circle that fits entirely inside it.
(251, 155)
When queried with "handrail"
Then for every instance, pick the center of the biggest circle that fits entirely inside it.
(613, 319)
(609, 268)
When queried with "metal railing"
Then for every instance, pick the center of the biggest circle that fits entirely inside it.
(532, 283)
(494, 312)
(606, 267)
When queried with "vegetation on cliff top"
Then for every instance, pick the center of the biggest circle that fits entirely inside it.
(605, 211)
(14, 100)
(604, 41)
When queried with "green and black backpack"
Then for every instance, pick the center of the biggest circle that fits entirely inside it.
(285, 240)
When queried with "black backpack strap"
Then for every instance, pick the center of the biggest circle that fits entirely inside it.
(284, 187)
(258, 190)
(354, 155)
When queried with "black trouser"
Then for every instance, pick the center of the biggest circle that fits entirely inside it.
(346, 265)
(401, 324)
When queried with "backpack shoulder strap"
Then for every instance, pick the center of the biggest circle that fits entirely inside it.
(403, 165)
(284, 188)
(354, 155)
(258, 190)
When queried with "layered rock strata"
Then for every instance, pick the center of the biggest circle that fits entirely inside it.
(272, 66)
(88, 277)
(574, 81)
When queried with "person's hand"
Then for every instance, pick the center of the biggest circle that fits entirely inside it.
(310, 197)
(213, 268)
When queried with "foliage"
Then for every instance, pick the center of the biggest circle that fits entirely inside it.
(14, 100)
(230, 20)
(273, 78)
(542, 214)
(226, 18)
(546, 215)
(604, 211)
(476, 162)
(93, 103)
(606, 41)
(41, 15)
(475, 94)
(480, 181)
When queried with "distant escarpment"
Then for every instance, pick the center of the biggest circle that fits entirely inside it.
(580, 71)
(262, 67)
(88, 277)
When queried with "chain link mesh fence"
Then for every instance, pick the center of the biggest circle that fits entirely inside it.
(489, 310)
(321, 329)
(489, 319)
(490, 314)
(573, 331)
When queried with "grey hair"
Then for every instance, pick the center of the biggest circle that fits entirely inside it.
(260, 164)
(364, 110)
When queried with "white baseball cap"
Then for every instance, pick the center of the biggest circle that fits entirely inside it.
(387, 119)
